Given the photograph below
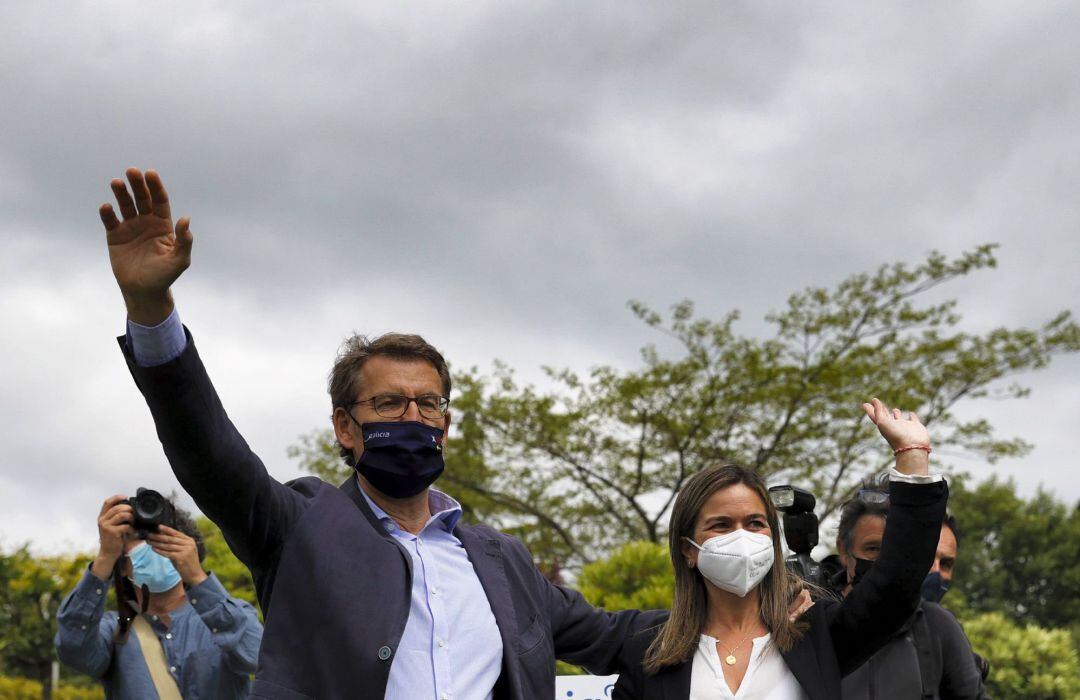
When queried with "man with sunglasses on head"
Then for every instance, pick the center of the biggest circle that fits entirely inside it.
(930, 656)
(370, 589)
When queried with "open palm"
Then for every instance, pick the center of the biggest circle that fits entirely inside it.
(895, 428)
(146, 253)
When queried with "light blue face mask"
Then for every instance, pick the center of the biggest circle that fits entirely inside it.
(150, 568)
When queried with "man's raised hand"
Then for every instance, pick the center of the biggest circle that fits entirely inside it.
(146, 253)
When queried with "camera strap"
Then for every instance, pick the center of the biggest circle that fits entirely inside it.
(154, 655)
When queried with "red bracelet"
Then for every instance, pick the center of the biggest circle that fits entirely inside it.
(912, 447)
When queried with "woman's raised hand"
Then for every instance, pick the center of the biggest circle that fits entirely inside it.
(901, 432)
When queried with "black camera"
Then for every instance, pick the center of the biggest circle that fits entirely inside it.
(800, 530)
(151, 509)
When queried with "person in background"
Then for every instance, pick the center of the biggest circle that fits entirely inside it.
(939, 580)
(929, 656)
(188, 637)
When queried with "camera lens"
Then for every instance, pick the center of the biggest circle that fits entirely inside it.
(150, 505)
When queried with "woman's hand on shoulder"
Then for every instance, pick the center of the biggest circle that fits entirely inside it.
(800, 604)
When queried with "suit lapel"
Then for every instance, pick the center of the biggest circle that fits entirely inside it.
(352, 489)
(676, 682)
(803, 662)
(486, 556)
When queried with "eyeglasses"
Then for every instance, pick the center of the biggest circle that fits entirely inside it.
(872, 496)
(395, 405)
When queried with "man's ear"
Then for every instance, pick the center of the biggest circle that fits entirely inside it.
(343, 428)
(446, 428)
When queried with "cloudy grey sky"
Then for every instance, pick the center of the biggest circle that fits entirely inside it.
(503, 177)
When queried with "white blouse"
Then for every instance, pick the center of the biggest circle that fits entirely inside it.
(767, 677)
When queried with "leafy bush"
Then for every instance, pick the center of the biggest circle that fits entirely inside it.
(636, 576)
(1026, 663)
(25, 689)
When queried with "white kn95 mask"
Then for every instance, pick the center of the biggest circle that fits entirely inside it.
(735, 562)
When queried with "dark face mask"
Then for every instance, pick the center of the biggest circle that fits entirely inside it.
(934, 588)
(862, 568)
(401, 459)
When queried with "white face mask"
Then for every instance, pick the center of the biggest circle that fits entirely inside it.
(735, 562)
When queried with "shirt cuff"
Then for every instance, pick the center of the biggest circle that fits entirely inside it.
(208, 594)
(914, 478)
(156, 345)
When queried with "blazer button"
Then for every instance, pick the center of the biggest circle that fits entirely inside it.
(384, 653)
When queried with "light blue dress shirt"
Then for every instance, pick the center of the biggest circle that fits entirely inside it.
(451, 648)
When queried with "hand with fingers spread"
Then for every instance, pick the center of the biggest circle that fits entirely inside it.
(902, 433)
(114, 527)
(181, 550)
(146, 252)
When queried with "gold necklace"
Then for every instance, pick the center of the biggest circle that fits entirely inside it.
(730, 658)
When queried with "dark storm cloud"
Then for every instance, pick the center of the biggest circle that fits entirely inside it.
(504, 177)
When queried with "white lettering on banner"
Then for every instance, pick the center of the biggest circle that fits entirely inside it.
(584, 687)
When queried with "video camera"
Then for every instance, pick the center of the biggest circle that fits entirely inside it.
(151, 509)
(800, 530)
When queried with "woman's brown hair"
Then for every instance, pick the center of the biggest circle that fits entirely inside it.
(678, 636)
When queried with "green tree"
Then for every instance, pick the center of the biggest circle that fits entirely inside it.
(1018, 556)
(31, 590)
(1026, 662)
(596, 460)
(234, 576)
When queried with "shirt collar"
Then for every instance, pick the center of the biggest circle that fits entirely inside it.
(444, 509)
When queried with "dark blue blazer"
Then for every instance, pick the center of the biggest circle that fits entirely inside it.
(334, 586)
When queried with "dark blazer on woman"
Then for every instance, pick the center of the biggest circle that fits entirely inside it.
(842, 636)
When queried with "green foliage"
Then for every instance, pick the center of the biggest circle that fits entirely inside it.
(318, 454)
(637, 576)
(234, 576)
(1026, 663)
(1020, 557)
(31, 590)
(595, 461)
(26, 689)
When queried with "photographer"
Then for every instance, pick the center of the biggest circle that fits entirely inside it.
(177, 632)
(930, 656)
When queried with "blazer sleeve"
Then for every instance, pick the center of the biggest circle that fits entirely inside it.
(889, 594)
(588, 636)
(210, 458)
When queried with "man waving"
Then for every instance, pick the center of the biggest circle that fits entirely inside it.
(375, 588)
